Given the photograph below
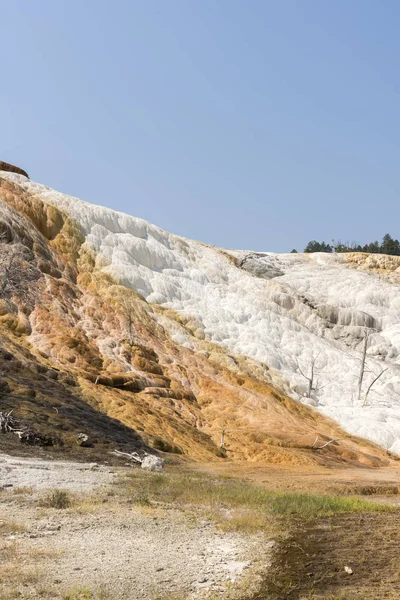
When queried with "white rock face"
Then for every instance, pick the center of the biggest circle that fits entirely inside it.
(287, 311)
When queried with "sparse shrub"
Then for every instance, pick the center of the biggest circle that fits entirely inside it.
(22, 490)
(9, 527)
(57, 499)
(79, 594)
(142, 498)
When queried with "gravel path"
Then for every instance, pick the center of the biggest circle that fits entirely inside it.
(47, 474)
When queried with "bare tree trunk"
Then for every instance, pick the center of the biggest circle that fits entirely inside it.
(309, 378)
(371, 384)
(362, 368)
(315, 447)
(222, 440)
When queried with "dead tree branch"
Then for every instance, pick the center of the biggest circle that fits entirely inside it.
(9, 424)
(372, 384)
(311, 375)
(316, 448)
(131, 455)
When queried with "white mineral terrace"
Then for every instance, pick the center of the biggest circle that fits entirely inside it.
(287, 311)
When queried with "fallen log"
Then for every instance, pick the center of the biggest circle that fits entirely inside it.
(131, 455)
(149, 462)
(316, 448)
(9, 424)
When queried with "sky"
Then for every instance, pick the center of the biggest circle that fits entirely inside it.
(251, 124)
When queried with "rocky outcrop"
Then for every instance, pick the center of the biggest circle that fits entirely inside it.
(12, 169)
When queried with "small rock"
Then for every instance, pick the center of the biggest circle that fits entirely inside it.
(348, 570)
(83, 440)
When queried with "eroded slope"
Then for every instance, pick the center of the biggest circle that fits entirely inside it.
(174, 339)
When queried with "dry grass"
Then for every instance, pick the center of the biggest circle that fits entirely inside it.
(234, 505)
(8, 552)
(340, 596)
(77, 504)
(15, 578)
(79, 594)
(235, 591)
(169, 596)
(245, 520)
(23, 490)
(22, 569)
(59, 499)
(9, 527)
(103, 592)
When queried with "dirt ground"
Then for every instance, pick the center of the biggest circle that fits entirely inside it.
(309, 560)
(142, 552)
(119, 551)
(347, 481)
(312, 561)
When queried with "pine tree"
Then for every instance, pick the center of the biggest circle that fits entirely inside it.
(388, 246)
(315, 246)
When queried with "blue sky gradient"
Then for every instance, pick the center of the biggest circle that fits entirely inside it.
(257, 125)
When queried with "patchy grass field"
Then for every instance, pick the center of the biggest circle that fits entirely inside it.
(102, 545)
(236, 504)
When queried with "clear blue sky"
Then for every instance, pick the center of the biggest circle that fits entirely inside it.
(247, 124)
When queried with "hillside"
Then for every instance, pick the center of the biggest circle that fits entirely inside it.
(135, 336)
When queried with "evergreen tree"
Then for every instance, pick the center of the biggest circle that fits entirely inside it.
(372, 248)
(388, 246)
(315, 246)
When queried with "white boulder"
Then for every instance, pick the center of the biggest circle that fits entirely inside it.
(153, 463)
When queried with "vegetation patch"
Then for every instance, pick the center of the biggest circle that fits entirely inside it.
(10, 527)
(59, 499)
(237, 505)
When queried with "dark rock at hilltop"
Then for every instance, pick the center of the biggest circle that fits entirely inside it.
(7, 167)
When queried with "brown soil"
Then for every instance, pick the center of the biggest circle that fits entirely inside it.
(311, 562)
(349, 480)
